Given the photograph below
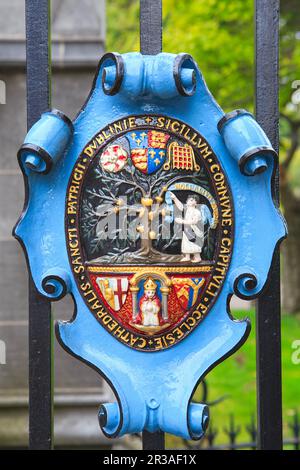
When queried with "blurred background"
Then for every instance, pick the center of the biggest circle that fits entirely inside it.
(219, 34)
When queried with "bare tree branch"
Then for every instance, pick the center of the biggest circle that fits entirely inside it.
(294, 129)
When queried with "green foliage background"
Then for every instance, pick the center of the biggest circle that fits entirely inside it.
(219, 34)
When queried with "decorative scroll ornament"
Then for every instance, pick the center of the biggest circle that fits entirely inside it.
(151, 210)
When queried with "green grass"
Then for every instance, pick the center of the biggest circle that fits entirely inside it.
(235, 379)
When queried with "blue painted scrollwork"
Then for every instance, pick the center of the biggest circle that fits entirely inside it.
(252, 149)
(39, 154)
(153, 390)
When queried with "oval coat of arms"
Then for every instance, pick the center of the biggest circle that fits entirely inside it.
(149, 223)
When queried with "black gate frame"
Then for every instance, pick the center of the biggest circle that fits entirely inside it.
(268, 331)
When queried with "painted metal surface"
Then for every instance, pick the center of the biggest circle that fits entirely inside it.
(38, 68)
(153, 389)
(268, 320)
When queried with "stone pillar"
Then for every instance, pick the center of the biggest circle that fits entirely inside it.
(165, 292)
(135, 308)
(78, 35)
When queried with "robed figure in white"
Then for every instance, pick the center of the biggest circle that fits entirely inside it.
(194, 218)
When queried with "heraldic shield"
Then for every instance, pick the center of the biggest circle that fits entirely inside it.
(151, 221)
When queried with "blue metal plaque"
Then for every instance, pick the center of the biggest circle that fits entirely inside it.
(151, 209)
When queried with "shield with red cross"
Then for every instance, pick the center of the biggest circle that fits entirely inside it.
(113, 290)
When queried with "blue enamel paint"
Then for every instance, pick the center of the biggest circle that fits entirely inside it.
(153, 389)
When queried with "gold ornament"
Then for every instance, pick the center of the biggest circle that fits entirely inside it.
(147, 201)
(181, 158)
(120, 202)
(141, 212)
(149, 284)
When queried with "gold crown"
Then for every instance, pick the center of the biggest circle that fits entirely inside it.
(149, 284)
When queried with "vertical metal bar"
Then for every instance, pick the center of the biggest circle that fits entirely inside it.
(151, 44)
(151, 26)
(40, 325)
(268, 318)
(153, 440)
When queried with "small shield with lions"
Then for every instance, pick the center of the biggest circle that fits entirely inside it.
(148, 150)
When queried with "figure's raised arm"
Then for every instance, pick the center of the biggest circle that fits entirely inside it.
(176, 201)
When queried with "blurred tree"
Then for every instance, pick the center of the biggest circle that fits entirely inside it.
(219, 34)
(290, 142)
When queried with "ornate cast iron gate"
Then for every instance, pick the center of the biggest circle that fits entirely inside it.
(268, 310)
